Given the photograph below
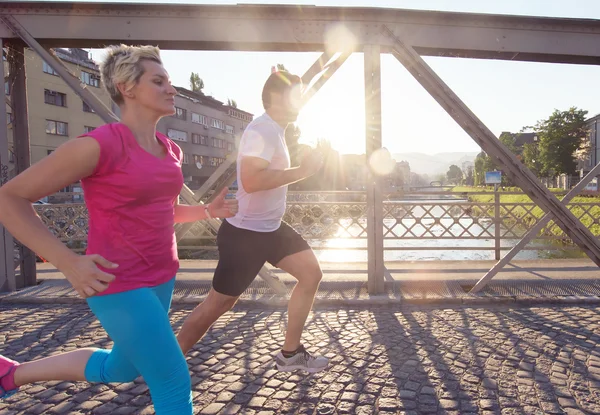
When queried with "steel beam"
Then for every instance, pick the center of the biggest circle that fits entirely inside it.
(71, 79)
(316, 68)
(533, 232)
(306, 28)
(327, 73)
(16, 61)
(499, 153)
(376, 267)
(7, 244)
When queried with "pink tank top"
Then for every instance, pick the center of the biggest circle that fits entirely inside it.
(129, 198)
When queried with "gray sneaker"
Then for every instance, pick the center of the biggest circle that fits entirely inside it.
(301, 360)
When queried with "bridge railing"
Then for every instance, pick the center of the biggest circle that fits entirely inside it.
(413, 222)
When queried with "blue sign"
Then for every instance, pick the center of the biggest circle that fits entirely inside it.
(493, 177)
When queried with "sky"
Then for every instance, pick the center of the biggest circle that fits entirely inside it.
(505, 95)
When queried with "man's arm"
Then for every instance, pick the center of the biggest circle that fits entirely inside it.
(256, 176)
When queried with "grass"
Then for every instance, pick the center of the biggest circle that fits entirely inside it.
(520, 208)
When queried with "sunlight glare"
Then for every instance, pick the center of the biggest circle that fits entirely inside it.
(338, 38)
(381, 162)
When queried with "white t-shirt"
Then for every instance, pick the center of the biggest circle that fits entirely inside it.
(262, 211)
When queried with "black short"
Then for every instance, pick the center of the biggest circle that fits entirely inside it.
(242, 253)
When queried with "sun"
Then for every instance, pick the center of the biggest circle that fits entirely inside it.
(337, 115)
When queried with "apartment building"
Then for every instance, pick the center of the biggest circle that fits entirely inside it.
(56, 113)
(206, 129)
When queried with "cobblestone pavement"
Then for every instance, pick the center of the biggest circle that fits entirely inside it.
(383, 360)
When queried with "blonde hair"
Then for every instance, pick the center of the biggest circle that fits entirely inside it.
(123, 65)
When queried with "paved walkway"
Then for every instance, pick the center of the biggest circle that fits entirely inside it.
(423, 282)
(384, 360)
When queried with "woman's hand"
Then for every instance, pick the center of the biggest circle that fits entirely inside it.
(223, 208)
(85, 276)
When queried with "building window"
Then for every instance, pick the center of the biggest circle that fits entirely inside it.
(186, 158)
(176, 135)
(214, 142)
(199, 119)
(55, 98)
(88, 129)
(180, 113)
(229, 146)
(48, 69)
(218, 124)
(87, 108)
(90, 79)
(57, 127)
(215, 161)
(6, 88)
(199, 159)
(199, 139)
(229, 129)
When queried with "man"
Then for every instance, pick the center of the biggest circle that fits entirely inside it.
(257, 234)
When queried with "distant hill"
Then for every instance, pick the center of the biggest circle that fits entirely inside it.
(436, 163)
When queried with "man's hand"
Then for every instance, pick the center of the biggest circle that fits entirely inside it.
(85, 276)
(311, 163)
(223, 208)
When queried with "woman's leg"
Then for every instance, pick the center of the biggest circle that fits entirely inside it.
(138, 323)
(108, 366)
(145, 344)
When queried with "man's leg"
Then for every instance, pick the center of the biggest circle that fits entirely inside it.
(240, 259)
(304, 266)
(203, 317)
(292, 254)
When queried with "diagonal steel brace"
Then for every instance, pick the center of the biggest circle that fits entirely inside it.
(500, 154)
(481, 284)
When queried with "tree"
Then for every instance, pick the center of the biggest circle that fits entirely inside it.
(454, 174)
(232, 103)
(468, 173)
(483, 164)
(196, 83)
(560, 137)
(509, 140)
(531, 158)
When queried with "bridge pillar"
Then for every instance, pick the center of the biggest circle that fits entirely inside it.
(376, 268)
(16, 60)
(7, 267)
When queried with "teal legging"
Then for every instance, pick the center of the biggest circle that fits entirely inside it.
(144, 344)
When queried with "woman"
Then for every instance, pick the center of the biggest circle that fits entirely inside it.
(131, 176)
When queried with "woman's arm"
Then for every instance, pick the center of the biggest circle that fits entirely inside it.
(186, 213)
(218, 208)
(69, 163)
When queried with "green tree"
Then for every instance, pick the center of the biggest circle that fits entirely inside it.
(560, 137)
(232, 103)
(196, 83)
(454, 174)
(483, 164)
(531, 158)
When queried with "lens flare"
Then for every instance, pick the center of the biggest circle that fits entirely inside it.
(381, 162)
(295, 97)
(338, 38)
